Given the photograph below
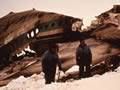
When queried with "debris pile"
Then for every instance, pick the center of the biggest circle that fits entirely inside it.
(107, 26)
(111, 16)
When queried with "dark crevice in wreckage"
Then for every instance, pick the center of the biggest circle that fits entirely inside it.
(14, 47)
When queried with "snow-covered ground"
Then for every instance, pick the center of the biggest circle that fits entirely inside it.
(107, 81)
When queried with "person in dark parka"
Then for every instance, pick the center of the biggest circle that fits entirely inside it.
(83, 59)
(49, 61)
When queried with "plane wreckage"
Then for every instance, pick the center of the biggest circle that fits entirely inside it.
(18, 30)
(37, 28)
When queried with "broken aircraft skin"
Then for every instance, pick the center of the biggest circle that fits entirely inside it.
(19, 29)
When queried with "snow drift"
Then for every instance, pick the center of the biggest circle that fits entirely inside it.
(107, 81)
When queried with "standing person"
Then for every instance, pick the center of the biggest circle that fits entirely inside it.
(83, 59)
(49, 61)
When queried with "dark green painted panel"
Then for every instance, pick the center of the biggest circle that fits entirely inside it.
(53, 25)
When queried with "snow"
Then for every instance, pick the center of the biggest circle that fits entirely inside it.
(26, 49)
(73, 69)
(107, 81)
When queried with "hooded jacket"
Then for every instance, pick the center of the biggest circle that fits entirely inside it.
(49, 62)
(83, 55)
